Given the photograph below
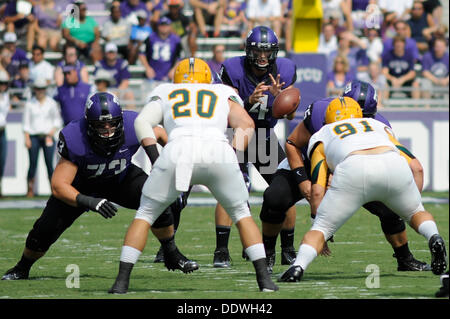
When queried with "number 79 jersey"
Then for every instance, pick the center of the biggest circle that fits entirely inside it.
(343, 137)
(195, 108)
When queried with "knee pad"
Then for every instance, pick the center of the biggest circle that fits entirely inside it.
(238, 212)
(391, 223)
(274, 206)
(41, 237)
(271, 216)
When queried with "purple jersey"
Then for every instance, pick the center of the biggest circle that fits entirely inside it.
(437, 66)
(314, 118)
(78, 66)
(126, 9)
(398, 65)
(74, 146)
(119, 71)
(236, 73)
(72, 99)
(410, 46)
(162, 54)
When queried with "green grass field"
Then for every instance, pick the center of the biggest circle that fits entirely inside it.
(94, 245)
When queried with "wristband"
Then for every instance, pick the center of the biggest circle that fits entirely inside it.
(247, 104)
(152, 152)
(300, 174)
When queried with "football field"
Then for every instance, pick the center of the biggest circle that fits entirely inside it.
(83, 263)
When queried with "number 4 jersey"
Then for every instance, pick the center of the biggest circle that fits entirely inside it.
(74, 146)
(341, 138)
(195, 109)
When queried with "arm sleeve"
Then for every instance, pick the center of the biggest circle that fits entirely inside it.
(319, 166)
(150, 116)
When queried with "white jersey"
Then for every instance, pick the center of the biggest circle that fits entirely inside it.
(195, 109)
(346, 136)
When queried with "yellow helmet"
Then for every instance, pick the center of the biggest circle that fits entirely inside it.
(192, 70)
(342, 108)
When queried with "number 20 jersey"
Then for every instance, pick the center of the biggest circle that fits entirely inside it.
(343, 137)
(194, 109)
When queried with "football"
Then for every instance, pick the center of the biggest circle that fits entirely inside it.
(286, 102)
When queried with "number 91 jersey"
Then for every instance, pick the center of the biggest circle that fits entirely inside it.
(343, 137)
(195, 108)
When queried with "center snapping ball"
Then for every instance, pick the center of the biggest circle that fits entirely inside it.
(286, 102)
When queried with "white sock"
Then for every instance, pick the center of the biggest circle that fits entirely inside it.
(130, 254)
(306, 254)
(255, 252)
(428, 228)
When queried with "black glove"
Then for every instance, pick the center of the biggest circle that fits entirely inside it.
(99, 205)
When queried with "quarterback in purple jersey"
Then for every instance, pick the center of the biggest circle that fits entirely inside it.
(258, 77)
(392, 225)
(95, 169)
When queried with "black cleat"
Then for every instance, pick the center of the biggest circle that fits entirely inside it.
(176, 260)
(267, 285)
(222, 258)
(119, 287)
(288, 255)
(159, 258)
(411, 264)
(15, 274)
(293, 274)
(438, 254)
(270, 258)
(443, 291)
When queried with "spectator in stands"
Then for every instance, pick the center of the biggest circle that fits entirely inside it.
(39, 68)
(234, 16)
(395, 9)
(5, 106)
(18, 21)
(84, 33)
(152, 8)
(434, 7)
(376, 78)
(440, 32)
(287, 23)
(18, 56)
(117, 30)
(72, 94)
(119, 70)
(402, 29)
(139, 32)
(264, 12)
(5, 60)
(208, 12)
(373, 44)
(161, 52)
(421, 25)
(128, 7)
(339, 76)
(103, 80)
(327, 40)
(354, 49)
(183, 26)
(70, 57)
(398, 68)
(41, 120)
(435, 67)
(21, 85)
(215, 63)
(47, 25)
(338, 23)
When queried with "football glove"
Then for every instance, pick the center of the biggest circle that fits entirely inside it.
(99, 205)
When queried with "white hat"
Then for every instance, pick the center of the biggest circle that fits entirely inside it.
(9, 37)
(4, 77)
(104, 75)
(40, 83)
(110, 46)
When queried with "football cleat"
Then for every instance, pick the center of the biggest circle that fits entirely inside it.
(159, 258)
(443, 291)
(438, 254)
(176, 260)
(119, 287)
(222, 258)
(266, 285)
(288, 255)
(270, 258)
(411, 264)
(292, 274)
(15, 274)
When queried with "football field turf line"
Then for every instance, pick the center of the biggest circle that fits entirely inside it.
(93, 244)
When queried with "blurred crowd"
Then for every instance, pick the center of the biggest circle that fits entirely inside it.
(400, 47)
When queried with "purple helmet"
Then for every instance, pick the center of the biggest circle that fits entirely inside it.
(261, 39)
(365, 95)
(105, 123)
